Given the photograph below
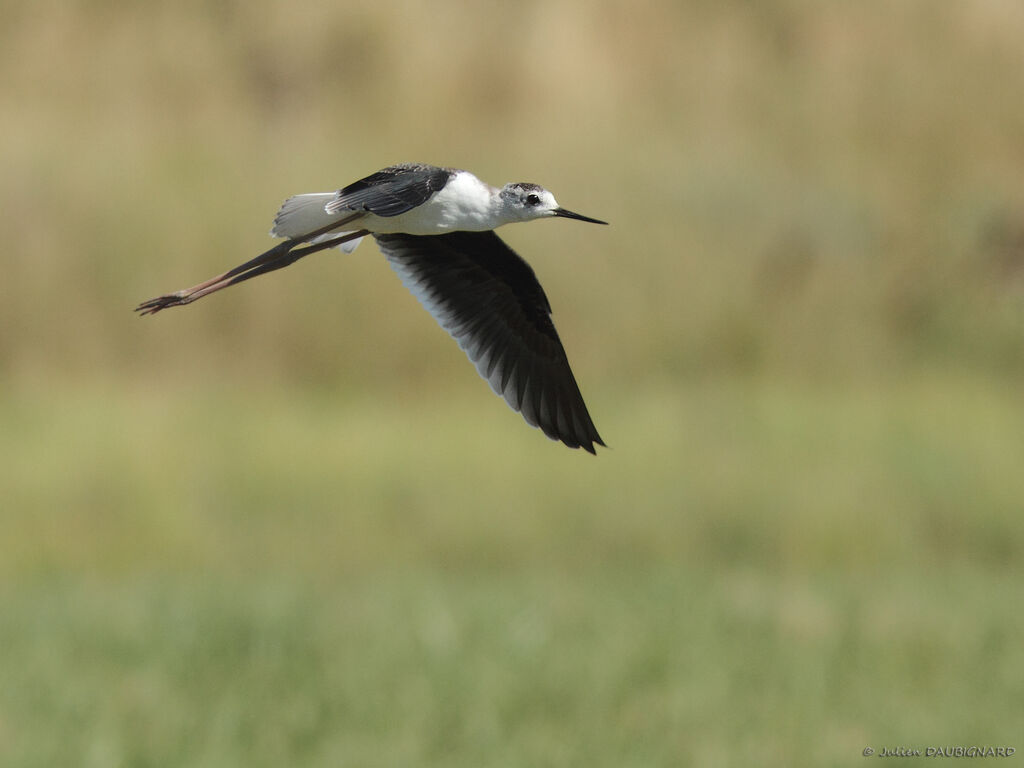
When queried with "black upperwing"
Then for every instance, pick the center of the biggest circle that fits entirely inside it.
(392, 190)
(489, 300)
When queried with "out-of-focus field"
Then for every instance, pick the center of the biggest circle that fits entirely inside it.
(288, 525)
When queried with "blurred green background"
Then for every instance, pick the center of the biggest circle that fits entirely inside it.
(289, 525)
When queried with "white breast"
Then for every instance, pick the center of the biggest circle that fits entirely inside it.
(464, 203)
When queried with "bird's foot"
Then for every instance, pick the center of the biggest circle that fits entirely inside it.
(176, 299)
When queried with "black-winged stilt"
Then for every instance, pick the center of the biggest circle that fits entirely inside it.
(434, 226)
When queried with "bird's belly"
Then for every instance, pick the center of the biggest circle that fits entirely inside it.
(446, 211)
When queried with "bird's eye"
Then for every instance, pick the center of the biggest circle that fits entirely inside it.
(532, 199)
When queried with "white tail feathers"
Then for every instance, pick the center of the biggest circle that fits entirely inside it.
(305, 213)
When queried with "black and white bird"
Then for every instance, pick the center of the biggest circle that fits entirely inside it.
(435, 227)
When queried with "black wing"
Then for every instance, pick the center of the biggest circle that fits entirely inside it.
(391, 191)
(489, 300)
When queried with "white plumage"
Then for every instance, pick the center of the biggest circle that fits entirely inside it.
(300, 214)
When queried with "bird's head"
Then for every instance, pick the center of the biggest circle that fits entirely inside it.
(524, 202)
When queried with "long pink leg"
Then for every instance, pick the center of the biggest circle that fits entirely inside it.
(279, 256)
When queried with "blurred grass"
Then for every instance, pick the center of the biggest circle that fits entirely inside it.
(784, 476)
(648, 666)
(289, 525)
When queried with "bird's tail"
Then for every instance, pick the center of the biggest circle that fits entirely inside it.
(305, 213)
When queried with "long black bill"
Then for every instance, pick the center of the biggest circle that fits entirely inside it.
(570, 215)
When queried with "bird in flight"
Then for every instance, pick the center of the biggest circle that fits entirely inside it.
(435, 227)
